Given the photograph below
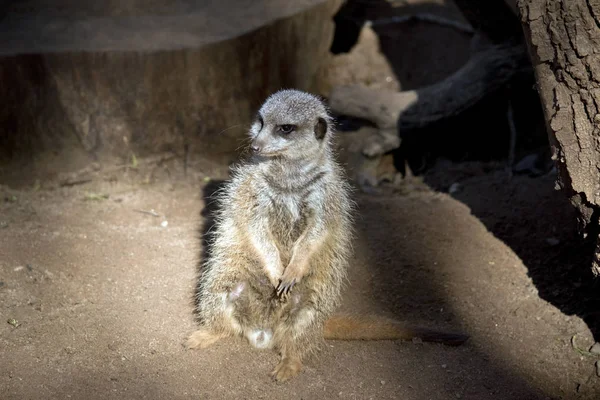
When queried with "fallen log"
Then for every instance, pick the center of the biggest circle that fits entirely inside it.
(486, 71)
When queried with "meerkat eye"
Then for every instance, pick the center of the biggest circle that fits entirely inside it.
(286, 128)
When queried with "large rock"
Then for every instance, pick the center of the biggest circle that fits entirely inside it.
(83, 81)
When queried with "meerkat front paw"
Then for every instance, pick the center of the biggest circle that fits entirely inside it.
(273, 271)
(291, 276)
(274, 280)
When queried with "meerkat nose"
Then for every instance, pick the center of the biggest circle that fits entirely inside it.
(255, 148)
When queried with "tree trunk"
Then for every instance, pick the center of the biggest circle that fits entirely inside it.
(564, 43)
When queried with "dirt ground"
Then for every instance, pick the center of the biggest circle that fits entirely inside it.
(96, 292)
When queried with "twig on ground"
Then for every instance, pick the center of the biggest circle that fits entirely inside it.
(151, 212)
(580, 350)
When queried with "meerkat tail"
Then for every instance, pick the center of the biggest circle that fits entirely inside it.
(381, 328)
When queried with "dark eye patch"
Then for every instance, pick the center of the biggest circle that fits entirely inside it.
(259, 118)
(287, 129)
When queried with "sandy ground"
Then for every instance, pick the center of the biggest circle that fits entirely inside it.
(101, 294)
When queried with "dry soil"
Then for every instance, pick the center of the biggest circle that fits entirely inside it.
(97, 272)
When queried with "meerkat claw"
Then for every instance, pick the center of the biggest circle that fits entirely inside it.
(285, 288)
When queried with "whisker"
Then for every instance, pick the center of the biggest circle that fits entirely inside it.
(244, 143)
(229, 128)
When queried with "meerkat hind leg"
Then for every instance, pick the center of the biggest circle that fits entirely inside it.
(294, 340)
(287, 368)
(203, 338)
(290, 363)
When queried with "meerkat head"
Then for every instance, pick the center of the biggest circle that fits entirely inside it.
(292, 125)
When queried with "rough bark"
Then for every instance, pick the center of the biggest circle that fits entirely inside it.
(564, 43)
(150, 91)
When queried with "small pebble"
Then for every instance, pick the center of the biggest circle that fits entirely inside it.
(19, 268)
(595, 349)
(13, 322)
(164, 224)
(444, 366)
(454, 188)
(417, 340)
(597, 368)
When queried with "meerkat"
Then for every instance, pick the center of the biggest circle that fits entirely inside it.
(282, 240)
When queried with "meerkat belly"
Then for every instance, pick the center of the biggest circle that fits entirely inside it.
(287, 221)
(256, 312)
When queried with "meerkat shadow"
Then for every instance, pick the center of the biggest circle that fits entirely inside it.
(206, 230)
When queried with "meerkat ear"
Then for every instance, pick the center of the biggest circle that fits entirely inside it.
(320, 129)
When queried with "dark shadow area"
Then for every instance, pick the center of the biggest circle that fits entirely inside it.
(406, 272)
(345, 123)
(207, 214)
(481, 133)
(540, 225)
(211, 207)
(21, 108)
